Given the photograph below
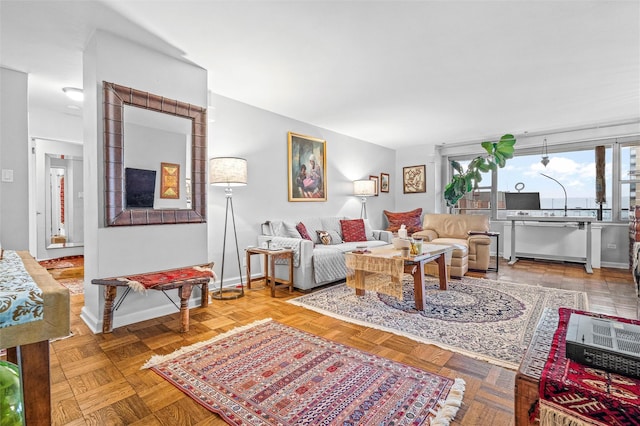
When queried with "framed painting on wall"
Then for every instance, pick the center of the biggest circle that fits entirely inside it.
(413, 179)
(384, 182)
(307, 168)
(169, 180)
(375, 178)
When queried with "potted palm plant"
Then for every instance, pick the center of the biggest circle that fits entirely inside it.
(465, 181)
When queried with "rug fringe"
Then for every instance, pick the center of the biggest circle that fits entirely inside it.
(134, 285)
(550, 416)
(158, 359)
(449, 407)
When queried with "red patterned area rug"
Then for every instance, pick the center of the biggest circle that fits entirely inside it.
(267, 373)
(576, 394)
(75, 285)
(63, 262)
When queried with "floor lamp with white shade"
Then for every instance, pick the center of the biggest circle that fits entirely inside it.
(363, 189)
(228, 172)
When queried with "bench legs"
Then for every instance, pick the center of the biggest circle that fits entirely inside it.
(107, 317)
(184, 291)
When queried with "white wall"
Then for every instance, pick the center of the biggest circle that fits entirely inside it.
(14, 154)
(260, 136)
(416, 156)
(54, 125)
(115, 251)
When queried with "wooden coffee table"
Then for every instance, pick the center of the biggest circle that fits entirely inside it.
(370, 263)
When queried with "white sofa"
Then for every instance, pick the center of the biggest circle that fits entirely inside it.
(316, 263)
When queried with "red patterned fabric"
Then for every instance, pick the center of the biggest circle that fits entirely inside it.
(572, 390)
(272, 374)
(303, 231)
(410, 219)
(158, 278)
(353, 230)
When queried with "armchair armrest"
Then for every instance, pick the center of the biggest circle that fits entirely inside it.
(479, 239)
(426, 234)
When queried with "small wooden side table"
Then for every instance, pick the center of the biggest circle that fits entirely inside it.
(270, 256)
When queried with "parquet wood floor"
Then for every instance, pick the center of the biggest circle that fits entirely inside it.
(96, 379)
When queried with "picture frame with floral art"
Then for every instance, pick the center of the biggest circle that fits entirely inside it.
(384, 182)
(307, 168)
(413, 179)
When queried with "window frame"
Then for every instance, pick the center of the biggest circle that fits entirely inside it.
(615, 144)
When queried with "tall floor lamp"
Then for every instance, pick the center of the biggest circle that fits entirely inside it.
(363, 189)
(228, 172)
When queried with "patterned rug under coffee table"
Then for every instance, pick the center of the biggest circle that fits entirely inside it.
(267, 373)
(484, 319)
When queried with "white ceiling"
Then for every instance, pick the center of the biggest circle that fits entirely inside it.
(395, 73)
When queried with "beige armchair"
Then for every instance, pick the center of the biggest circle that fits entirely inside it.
(472, 251)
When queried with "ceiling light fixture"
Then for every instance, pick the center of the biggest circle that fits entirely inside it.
(545, 154)
(74, 93)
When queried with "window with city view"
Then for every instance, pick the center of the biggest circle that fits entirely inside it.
(570, 169)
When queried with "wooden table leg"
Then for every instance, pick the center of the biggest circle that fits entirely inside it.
(291, 273)
(248, 263)
(204, 302)
(359, 280)
(442, 271)
(185, 294)
(271, 277)
(33, 360)
(418, 286)
(110, 292)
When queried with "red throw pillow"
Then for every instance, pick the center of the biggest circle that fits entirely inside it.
(410, 219)
(303, 231)
(353, 230)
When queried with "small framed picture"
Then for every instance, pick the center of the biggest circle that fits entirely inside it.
(375, 179)
(384, 182)
(169, 180)
(413, 179)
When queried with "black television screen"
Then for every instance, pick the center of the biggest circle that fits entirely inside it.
(522, 200)
(140, 187)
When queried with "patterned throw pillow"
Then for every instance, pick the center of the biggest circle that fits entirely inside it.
(303, 231)
(324, 236)
(410, 219)
(353, 230)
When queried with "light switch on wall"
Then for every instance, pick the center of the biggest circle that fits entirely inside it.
(7, 175)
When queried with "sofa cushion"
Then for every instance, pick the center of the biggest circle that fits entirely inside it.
(353, 230)
(290, 230)
(314, 224)
(332, 223)
(410, 219)
(303, 231)
(325, 238)
(368, 230)
(336, 238)
(329, 237)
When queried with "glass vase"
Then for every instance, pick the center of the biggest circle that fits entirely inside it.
(11, 401)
